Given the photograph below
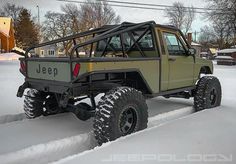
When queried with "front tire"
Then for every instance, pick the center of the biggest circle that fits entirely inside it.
(121, 111)
(208, 93)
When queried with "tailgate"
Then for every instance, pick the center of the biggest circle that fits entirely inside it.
(56, 71)
(53, 70)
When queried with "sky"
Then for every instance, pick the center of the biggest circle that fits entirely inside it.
(126, 14)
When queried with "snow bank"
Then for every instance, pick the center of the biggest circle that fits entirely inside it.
(12, 117)
(165, 117)
(51, 150)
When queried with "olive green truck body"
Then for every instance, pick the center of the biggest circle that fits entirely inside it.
(154, 59)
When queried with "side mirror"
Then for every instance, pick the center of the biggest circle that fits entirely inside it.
(191, 51)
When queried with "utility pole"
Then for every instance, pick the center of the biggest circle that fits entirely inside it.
(38, 15)
(37, 49)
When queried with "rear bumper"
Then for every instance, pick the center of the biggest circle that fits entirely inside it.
(45, 86)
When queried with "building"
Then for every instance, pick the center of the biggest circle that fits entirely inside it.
(7, 39)
(47, 51)
(197, 47)
(226, 56)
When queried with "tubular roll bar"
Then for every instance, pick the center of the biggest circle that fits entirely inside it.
(106, 31)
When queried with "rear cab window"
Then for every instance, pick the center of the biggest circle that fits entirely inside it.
(131, 42)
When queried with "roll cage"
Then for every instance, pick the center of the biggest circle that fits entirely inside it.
(104, 34)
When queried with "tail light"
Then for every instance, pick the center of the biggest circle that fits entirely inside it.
(76, 70)
(22, 67)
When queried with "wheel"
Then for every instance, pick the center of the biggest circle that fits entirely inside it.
(33, 103)
(50, 105)
(39, 103)
(121, 111)
(207, 93)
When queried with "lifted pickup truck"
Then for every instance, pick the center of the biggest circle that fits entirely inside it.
(128, 63)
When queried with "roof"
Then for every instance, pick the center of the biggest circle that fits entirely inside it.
(5, 25)
(204, 53)
(224, 57)
(230, 50)
(195, 44)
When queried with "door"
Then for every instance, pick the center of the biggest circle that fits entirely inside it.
(180, 63)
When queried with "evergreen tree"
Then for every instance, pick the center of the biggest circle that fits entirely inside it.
(26, 31)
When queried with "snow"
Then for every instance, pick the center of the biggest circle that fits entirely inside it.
(224, 57)
(10, 80)
(204, 137)
(174, 131)
(58, 149)
(195, 44)
(199, 136)
(9, 56)
(229, 50)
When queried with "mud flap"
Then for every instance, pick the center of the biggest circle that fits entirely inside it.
(21, 89)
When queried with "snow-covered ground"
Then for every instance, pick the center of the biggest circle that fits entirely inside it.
(204, 137)
(10, 79)
(174, 132)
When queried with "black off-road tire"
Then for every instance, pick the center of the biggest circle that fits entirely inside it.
(33, 103)
(39, 103)
(208, 93)
(121, 111)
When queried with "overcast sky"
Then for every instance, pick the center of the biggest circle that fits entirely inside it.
(127, 14)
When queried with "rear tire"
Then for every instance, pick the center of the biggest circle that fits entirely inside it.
(33, 103)
(39, 103)
(208, 93)
(121, 111)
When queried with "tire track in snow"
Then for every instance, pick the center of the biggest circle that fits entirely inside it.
(12, 117)
(62, 148)
(52, 150)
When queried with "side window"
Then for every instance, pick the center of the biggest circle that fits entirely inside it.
(145, 43)
(115, 43)
(134, 43)
(174, 45)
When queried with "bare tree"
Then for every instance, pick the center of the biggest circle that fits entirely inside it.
(188, 19)
(180, 16)
(11, 10)
(2, 14)
(218, 33)
(207, 36)
(74, 19)
(94, 14)
(176, 14)
(72, 13)
(223, 18)
(57, 25)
